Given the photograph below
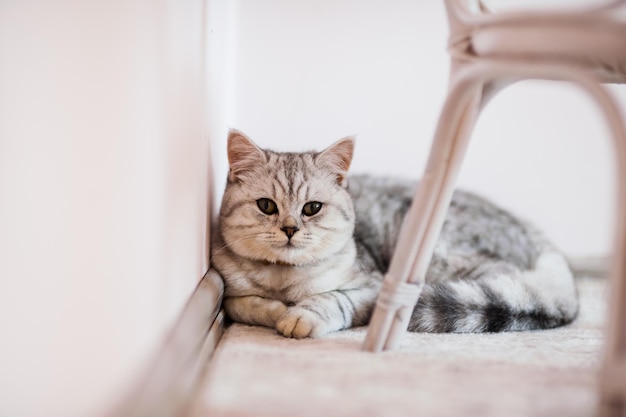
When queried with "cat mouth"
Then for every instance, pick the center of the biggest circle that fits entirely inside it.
(288, 251)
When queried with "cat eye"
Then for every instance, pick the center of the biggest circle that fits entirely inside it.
(311, 208)
(267, 206)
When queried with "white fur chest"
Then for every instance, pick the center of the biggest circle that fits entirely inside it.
(289, 284)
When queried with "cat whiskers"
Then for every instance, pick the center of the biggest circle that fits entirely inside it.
(250, 236)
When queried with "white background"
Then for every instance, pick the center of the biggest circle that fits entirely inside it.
(305, 74)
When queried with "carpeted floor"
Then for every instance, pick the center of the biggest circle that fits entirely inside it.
(548, 373)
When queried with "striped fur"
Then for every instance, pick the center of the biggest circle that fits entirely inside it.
(310, 274)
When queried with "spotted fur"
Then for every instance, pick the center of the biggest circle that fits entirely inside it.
(309, 274)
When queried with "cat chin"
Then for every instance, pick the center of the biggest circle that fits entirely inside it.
(290, 257)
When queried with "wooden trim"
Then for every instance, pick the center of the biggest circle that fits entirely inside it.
(590, 266)
(170, 382)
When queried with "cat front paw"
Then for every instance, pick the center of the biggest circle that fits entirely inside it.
(254, 310)
(298, 322)
(276, 309)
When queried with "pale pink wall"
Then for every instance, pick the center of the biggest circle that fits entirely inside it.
(103, 194)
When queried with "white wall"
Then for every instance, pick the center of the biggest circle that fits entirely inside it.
(103, 194)
(308, 73)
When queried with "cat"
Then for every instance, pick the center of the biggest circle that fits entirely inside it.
(303, 248)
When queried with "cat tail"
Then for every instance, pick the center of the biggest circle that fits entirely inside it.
(541, 298)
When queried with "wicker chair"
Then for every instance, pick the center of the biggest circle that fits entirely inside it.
(489, 51)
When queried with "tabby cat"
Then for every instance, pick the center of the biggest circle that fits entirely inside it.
(303, 249)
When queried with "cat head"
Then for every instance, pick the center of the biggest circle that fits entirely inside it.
(286, 208)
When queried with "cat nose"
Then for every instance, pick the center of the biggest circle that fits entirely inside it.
(289, 231)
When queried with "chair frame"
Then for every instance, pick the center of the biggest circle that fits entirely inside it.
(480, 68)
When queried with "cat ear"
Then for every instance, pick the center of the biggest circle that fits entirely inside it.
(337, 158)
(243, 154)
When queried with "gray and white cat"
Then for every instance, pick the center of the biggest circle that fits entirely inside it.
(303, 249)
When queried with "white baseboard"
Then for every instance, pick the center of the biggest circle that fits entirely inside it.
(170, 383)
(590, 266)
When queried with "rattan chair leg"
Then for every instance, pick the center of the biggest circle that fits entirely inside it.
(425, 217)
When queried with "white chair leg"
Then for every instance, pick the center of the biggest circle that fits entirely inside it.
(613, 373)
(425, 218)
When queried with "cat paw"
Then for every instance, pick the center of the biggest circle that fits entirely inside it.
(299, 323)
(276, 309)
(254, 310)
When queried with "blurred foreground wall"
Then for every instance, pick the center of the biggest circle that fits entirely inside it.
(104, 184)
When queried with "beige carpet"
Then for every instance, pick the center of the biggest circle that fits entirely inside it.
(541, 373)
